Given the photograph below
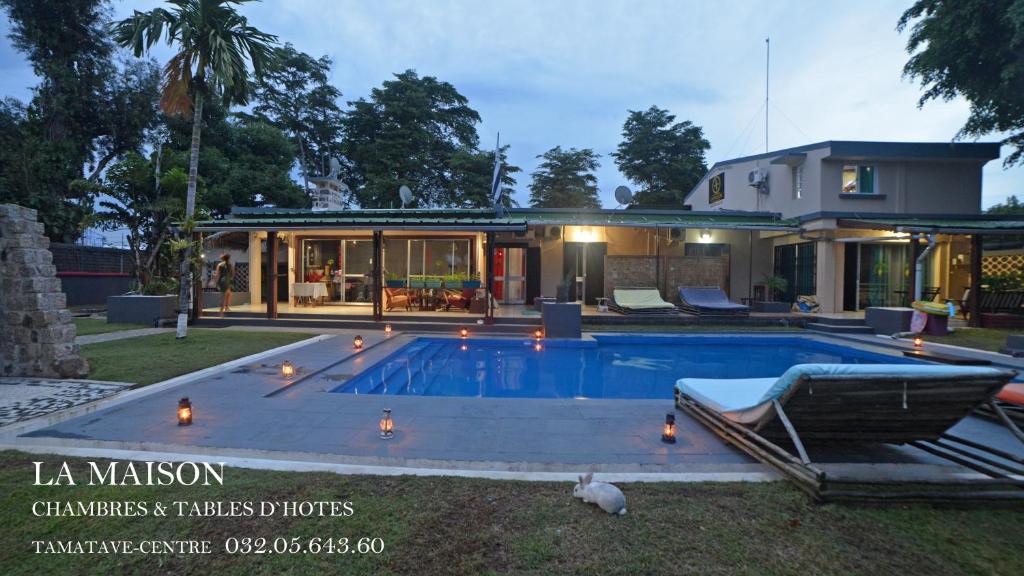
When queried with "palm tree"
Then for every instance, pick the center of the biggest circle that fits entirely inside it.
(215, 47)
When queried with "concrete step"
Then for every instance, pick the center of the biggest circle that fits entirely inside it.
(839, 328)
(839, 321)
(398, 326)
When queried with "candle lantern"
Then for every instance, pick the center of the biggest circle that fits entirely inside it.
(184, 412)
(538, 334)
(387, 329)
(357, 342)
(387, 425)
(463, 332)
(918, 342)
(668, 434)
(287, 369)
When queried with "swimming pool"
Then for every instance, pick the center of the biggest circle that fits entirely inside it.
(609, 366)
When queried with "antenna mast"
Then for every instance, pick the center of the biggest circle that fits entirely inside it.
(767, 59)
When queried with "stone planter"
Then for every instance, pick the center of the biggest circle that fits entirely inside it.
(213, 299)
(138, 309)
(771, 307)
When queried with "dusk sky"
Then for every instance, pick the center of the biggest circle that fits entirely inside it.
(565, 73)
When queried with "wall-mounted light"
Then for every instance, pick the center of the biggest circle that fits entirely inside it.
(287, 369)
(705, 235)
(386, 425)
(184, 412)
(357, 342)
(668, 433)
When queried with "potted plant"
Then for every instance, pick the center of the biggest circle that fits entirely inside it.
(772, 285)
(394, 280)
(432, 281)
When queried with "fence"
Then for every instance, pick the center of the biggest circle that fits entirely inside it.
(89, 274)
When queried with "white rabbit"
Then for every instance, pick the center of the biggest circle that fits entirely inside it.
(607, 496)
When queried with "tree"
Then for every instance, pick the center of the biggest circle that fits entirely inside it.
(215, 47)
(85, 112)
(663, 157)
(1012, 206)
(972, 48)
(146, 206)
(407, 133)
(296, 96)
(474, 175)
(565, 180)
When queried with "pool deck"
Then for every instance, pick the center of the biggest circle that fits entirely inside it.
(248, 410)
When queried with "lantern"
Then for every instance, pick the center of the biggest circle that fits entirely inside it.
(463, 332)
(387, 425)
(918, 342)
(538, 334)
(668, 434)
(184, 412)
(357, 342)
(287, 369)
(387, 329)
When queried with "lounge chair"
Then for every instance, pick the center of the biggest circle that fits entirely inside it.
(863, 404)
(709, 301)
(643, 301)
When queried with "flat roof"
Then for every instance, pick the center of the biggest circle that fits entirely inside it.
(482, 219)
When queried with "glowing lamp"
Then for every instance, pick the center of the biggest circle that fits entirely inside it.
(287, 369)
(184, 412)
(463, 332)
(538, 334)
(918, 342)
(705, 235)
(357, 342)
(387, 329)
(668, 434)
(387, 425)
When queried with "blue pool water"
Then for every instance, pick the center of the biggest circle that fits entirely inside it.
(625, 367)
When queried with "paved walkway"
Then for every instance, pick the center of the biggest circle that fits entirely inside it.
(119, 335)
(24, 398)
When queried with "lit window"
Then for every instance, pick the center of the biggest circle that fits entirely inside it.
(798, 181)
(858, 179)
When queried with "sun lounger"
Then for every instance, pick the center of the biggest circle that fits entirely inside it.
(709, 301)
(640, 301)
(826, 404)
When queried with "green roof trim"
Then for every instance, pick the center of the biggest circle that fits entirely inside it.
(966, 225)
(485, 219)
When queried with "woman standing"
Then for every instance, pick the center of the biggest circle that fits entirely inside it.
(223, 277)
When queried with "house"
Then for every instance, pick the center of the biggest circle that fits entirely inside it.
(843, 221)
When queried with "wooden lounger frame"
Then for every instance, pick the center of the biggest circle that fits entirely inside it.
(893, 410)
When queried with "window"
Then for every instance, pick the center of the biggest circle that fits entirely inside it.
(798, 182)
(706, 250)
(797, 263)
(858, 179)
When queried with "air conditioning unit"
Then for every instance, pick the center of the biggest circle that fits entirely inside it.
(675, 233)
(757, 177)
(553, 232)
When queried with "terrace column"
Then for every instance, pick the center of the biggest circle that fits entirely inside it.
(489, 314)
(915, 252)
(255, 269)
(974, 298)
(272, 275)
(378, 270)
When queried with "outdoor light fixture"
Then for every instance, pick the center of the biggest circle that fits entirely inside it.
(918, 342)
(463, 332)
(184, 412)
(357, 342)
(705, 235)
(668, 435)
(387, 425)
(387, 329)
(538, 334)
(287, 369)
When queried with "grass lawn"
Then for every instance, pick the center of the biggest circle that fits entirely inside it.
(990, 339)
(468, 526)
(86, 326)
(148, 359)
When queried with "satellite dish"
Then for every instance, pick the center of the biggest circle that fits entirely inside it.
(623, 195)
(405, 194)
